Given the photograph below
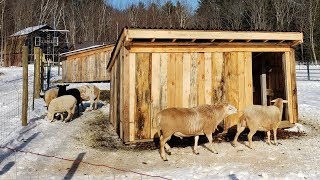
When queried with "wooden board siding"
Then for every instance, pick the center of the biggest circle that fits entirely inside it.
(151, 82)
(86, 67)
(143, 93)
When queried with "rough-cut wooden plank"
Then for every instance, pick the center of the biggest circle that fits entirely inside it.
(218, 77)
(208, 78)
(294, 87)
(132, 95)
(125, 95)
(143, 87)
(219, 48)
(248, 78)
(193, 80)
(186, 79)
(201, 79)
(241, 80)
(289, 85)
(178, 79)
(155, 91)
(171, 80)
(120, 100)
(232, 85)
(164, 57)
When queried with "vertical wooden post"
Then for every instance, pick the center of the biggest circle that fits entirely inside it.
(263, 84)
(36, 72)
(24, 116)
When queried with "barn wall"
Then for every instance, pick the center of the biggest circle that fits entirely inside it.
(86, 67)
(152, 81)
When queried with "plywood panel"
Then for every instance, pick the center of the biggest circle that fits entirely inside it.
(171, 80)
(178, 79)
(218, 77)
(186, 79)
(193, 80)
(143, 87)
(155, 91)
(208, 78)
(201, 79)
(241, 82)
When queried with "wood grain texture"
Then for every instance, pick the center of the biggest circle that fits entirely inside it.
(132, 95)
(164, 58)
(208, 77)
(178, 79)
(155, 91)
(186, 86)
(294, 87)
(171, 80)
(143, 92)
(193, 80)
(201, 78)
(218, 77)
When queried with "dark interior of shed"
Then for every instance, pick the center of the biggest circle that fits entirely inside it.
(268, 78)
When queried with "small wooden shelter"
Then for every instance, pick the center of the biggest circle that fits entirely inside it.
(87, 64)
(153, 69)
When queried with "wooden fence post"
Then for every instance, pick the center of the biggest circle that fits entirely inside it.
(24, 115)
(37, 73)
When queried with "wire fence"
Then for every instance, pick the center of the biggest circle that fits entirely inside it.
(308, 74)
(11, 105)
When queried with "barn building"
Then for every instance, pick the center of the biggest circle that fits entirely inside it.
(87, 64)
(51, 42)
(153, 69)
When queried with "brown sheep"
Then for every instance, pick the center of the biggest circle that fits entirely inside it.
(186, 122)
(49, 95)
(260, 118)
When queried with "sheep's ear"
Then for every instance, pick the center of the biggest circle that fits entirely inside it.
(273, 101)
(285, 101)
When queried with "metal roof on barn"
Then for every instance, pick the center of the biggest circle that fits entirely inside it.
(29, 30)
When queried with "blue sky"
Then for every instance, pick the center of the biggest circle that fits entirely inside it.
(122, 4)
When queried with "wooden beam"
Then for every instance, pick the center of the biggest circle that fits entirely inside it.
(201, 34)
(201, 44)
(263, 84)
(117, 49)
(184, 49)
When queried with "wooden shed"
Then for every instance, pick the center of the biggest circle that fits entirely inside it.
(87, 64)
(153, 69)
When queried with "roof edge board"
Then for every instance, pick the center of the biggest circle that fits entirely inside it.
(209, 34)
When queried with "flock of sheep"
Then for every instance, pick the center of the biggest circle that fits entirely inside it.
(204, 119)
(180, 122)
(60, 100)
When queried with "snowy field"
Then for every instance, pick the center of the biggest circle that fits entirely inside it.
(53, 150)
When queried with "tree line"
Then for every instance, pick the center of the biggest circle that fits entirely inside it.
(99, 21)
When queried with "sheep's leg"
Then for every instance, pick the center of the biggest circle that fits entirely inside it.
(167, 147)
(240, 129)
(209, 136)
(195, 148)
(163, 142)
(275, 136)
(250, 135)
(268, 134)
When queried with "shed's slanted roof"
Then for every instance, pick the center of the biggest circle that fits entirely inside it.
(90, 48)
(203, 37)
(29, 30)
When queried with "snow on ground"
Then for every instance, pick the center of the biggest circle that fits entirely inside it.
(297, 157)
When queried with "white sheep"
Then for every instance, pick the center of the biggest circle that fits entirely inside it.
(186, 122)
(66, 103)
(90, 93)
(49, 95)
(260, 118)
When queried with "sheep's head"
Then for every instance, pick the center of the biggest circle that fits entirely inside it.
(50, 116)
(230, 109)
